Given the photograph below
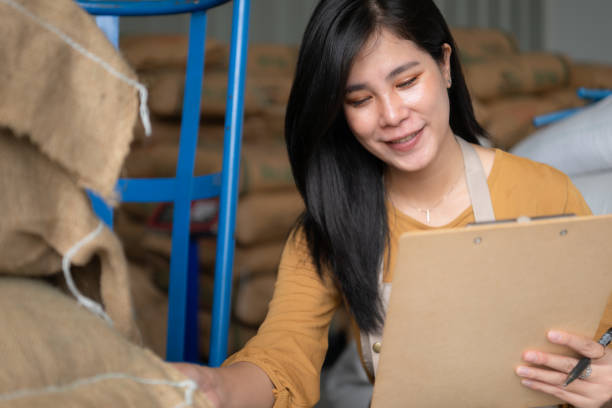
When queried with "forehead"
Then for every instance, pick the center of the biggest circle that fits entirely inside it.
(384, 51)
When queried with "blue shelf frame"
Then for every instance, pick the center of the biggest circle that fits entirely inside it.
(181, 190)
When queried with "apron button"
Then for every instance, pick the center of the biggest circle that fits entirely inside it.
(376, 347)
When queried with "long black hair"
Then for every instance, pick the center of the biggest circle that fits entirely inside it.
(345, 221)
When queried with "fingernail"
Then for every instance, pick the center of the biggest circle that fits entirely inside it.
(522, 371)
(554, 335)
(531, 356)
(528, 383)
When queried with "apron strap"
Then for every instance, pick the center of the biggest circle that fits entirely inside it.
(480, 196)
(476, 180)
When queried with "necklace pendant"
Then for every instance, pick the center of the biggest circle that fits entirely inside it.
(427, 215)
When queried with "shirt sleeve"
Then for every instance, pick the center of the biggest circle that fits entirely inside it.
(575, 203)
(291, 343)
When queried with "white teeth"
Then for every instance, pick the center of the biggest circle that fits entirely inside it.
(404, 139)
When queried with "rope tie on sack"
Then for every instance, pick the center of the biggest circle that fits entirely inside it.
(142, 90)
(189, 387)
(88, 303)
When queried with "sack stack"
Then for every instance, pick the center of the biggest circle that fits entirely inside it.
(509, 88)
(268, 203)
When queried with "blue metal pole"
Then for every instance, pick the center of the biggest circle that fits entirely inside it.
(549, 118)
(594, 94)
(229, 183)
(146, 7)
(177, 313)
(192, 343)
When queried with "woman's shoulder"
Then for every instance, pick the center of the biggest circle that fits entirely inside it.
(520, 186)
(526, 171)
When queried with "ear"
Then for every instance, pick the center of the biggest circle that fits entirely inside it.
(445, 64)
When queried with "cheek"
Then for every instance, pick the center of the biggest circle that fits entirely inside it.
(360, 121)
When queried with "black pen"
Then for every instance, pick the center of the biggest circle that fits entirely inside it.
(584, 362)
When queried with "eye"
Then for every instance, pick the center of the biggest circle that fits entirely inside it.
(357, 103)
(407, 83)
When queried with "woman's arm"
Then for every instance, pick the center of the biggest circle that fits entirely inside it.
(239, 385)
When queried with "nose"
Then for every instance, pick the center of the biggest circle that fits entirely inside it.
(393, 110)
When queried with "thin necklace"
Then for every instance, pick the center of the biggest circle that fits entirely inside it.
(427, 211)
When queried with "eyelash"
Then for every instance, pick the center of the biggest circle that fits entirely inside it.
(360, 102)
(406, 83)
(401, 85)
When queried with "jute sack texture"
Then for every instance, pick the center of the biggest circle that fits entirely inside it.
(511, 119)
(47, 340)
(260, 95)
(524, 73)
(267, 217)
(591, 75)
(70, 106)
(169, 51)
(47, 213)
(477, 44)
(263, 167)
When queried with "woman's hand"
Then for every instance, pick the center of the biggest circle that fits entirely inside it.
(241, 384)
(591, 392)
(207, 379)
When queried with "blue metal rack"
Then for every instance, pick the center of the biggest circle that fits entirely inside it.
(593, 95)
(181, 190)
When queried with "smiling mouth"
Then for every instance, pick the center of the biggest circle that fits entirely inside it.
(406, 138)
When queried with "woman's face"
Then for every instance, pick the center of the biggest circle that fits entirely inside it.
(396, 101)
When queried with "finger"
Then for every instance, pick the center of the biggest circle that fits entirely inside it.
(559, 392)
(557, 379)
(583, 345)
(557, 362)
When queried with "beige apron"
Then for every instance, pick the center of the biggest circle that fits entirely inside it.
(478, 189)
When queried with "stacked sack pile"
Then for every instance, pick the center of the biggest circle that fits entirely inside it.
(509, 88)
(268, 203)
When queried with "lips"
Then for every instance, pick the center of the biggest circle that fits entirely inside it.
(405, 139)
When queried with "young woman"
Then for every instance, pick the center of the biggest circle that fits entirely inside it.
(382, 140)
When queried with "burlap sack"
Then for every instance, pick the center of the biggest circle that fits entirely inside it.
(166, 94)
(518, 74)
(153, 51)
(160, 161)
(266, 217)
(260, 128)
(49, 341)
(261, 94)
(257, 259)
(253, 294)
(69, 105)
(261, 259)
(272, 60)
(44, 215)
(480, 111)
(131, 232)
(511, 120)
(150, 308)
(476, 44)
(591, 75)
(264, 166)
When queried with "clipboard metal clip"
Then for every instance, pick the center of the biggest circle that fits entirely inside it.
(520, 220)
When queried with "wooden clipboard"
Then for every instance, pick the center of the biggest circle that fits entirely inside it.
(465, 303)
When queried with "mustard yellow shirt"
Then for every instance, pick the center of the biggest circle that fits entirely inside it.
(291, 343)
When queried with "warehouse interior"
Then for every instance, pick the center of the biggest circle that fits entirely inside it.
(522, 59)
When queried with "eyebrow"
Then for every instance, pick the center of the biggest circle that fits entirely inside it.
(390, 75)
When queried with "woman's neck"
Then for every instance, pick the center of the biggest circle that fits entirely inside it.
(427, 188)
